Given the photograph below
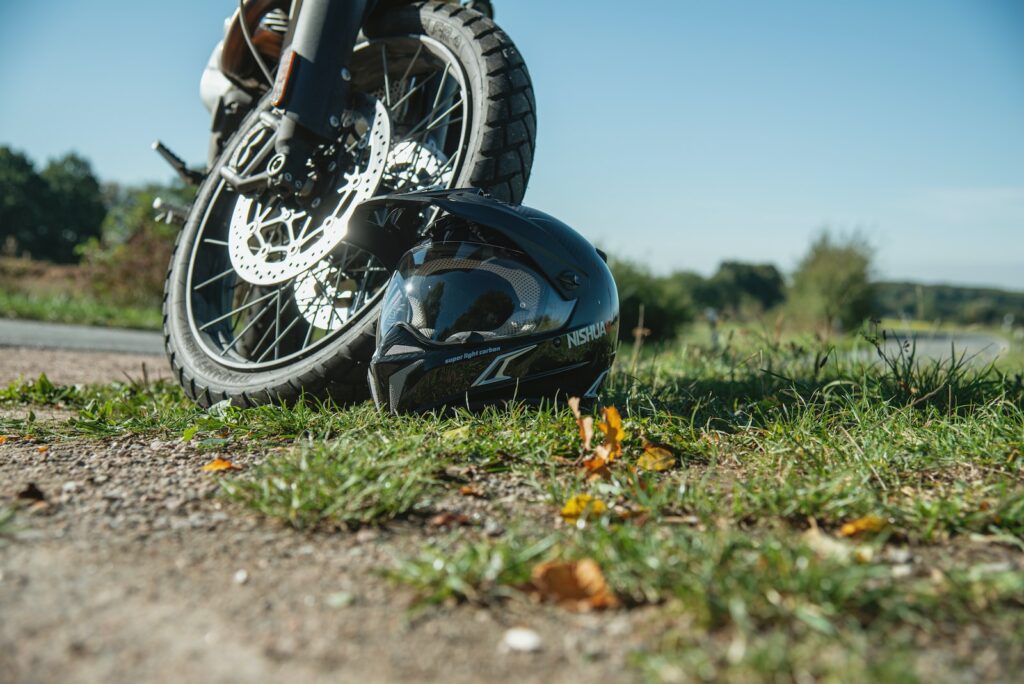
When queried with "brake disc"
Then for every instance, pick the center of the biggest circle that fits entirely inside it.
(270, 243)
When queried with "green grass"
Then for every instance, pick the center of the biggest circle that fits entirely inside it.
(63, 308)
(732, 560)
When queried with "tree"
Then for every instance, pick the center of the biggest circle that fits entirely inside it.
(76, 211)
(22, 197)
(741, 285)
(47, 215)
(833, 281)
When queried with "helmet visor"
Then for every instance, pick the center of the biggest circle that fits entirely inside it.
(449, 291)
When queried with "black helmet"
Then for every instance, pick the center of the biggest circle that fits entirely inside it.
(498, 303)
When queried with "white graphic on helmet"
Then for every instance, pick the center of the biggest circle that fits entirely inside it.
(594, 331)
(495, 372)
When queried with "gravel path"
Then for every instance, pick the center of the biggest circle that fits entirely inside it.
(134, 570)
(74, 367)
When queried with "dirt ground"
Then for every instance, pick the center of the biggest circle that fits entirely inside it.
(75, 367)
(134, 570)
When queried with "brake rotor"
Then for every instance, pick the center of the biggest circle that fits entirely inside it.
(270, 243)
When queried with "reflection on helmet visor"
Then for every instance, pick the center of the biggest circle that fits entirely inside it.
(451, 290)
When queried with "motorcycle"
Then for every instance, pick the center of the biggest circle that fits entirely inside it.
(272, 292)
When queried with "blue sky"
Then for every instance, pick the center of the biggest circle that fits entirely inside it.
(675, 132)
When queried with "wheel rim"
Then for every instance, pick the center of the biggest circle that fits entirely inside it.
(258, 296)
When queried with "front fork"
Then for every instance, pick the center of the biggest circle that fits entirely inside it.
(313, 79)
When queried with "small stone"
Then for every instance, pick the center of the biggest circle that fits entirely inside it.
(898, 556)
(69, 487)
(339, 599)
(366, 535)
(520, 640)
(899, 571)
(241, 577)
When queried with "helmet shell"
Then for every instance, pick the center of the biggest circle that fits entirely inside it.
(409, 372)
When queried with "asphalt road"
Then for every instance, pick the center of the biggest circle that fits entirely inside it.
(38, 335)
(975, 348)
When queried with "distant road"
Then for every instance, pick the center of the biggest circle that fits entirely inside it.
(976, 348)
(38, 335)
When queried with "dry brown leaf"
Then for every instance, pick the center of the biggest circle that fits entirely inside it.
(584, 423)
(576, 585)
(596, 468)
(869, 523)
(656, 457)
(42, 449)
(220, 464)
(582, 505)
(574, 405)
(471, 490)
(449, 519)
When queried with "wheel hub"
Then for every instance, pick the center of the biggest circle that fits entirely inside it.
(270, 243)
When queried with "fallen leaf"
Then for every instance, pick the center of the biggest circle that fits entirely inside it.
(584, 423)
(611, 426)
(827, 547)
(455, 434)
(597, 468)
(3, 439)
(656, 457)
(574, 405)
(219, 464)
(869, 523)
(449, 519)
(582, 505)
(576, 585)
(42, 449)
(472, 490)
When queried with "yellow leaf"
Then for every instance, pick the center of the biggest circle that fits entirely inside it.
(576, 585)
(219, 464)
(611, 426)
(43, 449)
(657, 458)
(3, 439)
(582, 505)
(455, 434)
(869, 523)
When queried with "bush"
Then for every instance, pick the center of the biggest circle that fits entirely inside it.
(667, 304)
(832, 283)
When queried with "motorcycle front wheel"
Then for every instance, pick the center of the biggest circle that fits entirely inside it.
(263, 301)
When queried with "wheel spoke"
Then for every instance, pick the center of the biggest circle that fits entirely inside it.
(229, 314)
(275, 346)
(213, 279)
(387, 78)
(247, 328)
(427, 118)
